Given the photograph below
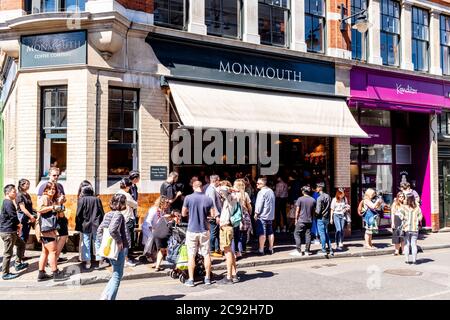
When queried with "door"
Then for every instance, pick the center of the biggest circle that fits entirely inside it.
(444, 192)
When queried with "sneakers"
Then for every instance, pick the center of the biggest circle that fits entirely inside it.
(21, 266)
(189, 283)
(226, 281)
(59, 276)
(259, 253)
(270, 252)
(9, 276)
(87, 265)
(130, 263)
(331, 253)
(207, 281)
(235, 279)
(296, 253)
(42, 276)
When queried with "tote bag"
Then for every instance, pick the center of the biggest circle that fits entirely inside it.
(108, 247)
(48, 221)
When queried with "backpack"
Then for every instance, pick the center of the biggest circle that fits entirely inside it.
(236, 216)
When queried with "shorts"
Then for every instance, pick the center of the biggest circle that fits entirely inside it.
(264, 228)
(161, 243)
(197, 242)
(226, 236)
(46, 240)
(62, 226)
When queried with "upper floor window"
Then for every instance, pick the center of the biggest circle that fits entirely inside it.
(420, 39)
(444, 123)
(221, 17)
(315, 25)
(445, 44)
(390, 32)
(358, 39)
(273, 17)
(41, 6)
(170, 13)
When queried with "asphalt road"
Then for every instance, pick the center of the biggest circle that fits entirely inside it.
(380, 277)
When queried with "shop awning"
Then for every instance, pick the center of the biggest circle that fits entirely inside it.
(215, 106)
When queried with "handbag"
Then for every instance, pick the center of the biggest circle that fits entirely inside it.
(48, 221)
(108, 247)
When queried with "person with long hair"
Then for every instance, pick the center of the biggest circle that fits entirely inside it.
(412, 218)
(339, 208)
(367, 209)
(240, 241)
(48, 206)
(83, 183)
(156, 211)
(397, 222)
(25, 209)
(89, 216)
(116, 224)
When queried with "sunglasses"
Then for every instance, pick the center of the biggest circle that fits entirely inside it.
(55, 175)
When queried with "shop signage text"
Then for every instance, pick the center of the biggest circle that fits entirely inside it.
(158, 173)
(408, 89)
(53, 49)
(264, 72)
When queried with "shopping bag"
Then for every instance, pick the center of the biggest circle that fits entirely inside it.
(108, 247)
(182, 261)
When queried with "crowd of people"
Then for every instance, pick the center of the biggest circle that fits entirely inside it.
(220, 215)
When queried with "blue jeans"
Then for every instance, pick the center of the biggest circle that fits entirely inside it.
(214, 236)
(25, 233)
(322, 228)
(112, 287)
(236, 246)
(86, 241)
(339, 223)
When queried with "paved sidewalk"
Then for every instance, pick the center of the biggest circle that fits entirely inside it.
(353, 248)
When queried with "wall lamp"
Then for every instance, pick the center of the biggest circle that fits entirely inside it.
(361, 24)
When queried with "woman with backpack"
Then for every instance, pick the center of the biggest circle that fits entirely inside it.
(368, 210)
(339, 208)
(412, 217)
(240, 240)
(397, 222)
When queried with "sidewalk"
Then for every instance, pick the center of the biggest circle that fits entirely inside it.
(353, 248)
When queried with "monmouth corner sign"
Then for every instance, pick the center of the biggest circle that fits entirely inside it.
(197, 61)
(53, 49)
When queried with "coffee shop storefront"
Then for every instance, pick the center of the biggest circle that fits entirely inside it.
(247, 91)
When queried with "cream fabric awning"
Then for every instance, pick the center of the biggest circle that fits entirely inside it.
(214, 106)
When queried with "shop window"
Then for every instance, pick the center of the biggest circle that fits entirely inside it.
(379, 178)
(54, 129)
(122, 131)
(221, 17)
(40, 6)
(376, 153)
(443, 123)
(445, 44)
(376, 118)
(358, 39)
(315, 25)
(420, 39)
(273, 18)
(390, 32)
(170, 13)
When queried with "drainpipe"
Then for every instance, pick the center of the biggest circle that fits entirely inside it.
(96, 133)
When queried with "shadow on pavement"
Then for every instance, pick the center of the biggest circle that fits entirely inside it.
(260, 274)
(162, 297)
(422, 261)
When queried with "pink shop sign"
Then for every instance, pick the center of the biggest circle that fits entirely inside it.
(389, 88)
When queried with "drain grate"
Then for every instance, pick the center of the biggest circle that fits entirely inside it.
(403, 272)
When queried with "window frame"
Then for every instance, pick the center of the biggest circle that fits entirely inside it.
(416, 40)
(171, 25)
(444, 40)
(287, 19)
(316, 15)
(385, 31)
(60, 6)
(357, 36)
(134, 146)
(238, 21)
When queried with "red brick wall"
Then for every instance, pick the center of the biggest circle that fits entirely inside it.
(335, 37)
(11, 4)
(138, 5)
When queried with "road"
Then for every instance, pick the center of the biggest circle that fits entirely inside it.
(380, 277)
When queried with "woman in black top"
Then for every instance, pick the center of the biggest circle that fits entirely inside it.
(25, 209)
(161, 234)
(89, 216)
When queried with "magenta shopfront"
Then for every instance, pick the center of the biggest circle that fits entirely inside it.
(396, 112)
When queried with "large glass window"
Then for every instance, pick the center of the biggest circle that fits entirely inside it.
(445, 44)
(444, 123)
(39, 6)
(315, 25)
(122, 131)
(170, 13)
(54, 128)
(221, 17)
(376, 118)
(390, 32)
(273, 17)
(420, 39)
(358, 39)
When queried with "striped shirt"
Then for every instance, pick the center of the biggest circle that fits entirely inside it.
(411, 218)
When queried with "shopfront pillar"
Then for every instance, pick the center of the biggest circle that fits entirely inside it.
(197, 17)
(250, 26)
(342, 170)
(374, 52)
(435, 45)
(434, 174)
(406, 36)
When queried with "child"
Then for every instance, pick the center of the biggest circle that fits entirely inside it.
(9, 232)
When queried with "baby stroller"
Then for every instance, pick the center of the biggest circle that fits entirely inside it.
(178, 256)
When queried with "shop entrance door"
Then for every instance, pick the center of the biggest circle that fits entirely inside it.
(444, 193)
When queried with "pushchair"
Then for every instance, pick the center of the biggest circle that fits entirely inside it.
(177, 255)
